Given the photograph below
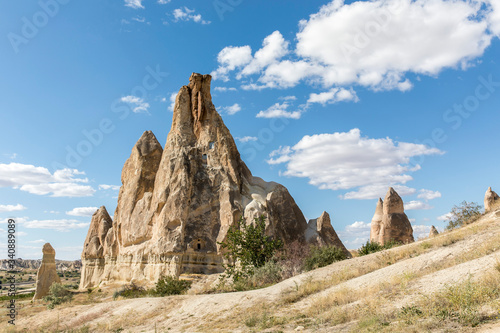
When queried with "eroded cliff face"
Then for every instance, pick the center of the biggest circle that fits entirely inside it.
(177, 203)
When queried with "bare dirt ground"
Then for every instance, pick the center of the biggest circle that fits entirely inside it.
(400, 276)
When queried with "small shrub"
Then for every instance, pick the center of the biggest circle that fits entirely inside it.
(465, 213)
(57, 295)
(130, 291)
(291, 259)
(372, 247)
(171, 286)
(323, 256)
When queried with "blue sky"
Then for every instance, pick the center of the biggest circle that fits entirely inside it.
(335, 100)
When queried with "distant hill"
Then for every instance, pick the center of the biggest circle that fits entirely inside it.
(27, 264)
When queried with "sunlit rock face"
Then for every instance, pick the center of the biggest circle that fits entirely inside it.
(47, 274)
(177, 203)
(491, 200)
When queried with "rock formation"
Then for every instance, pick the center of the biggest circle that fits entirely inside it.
(377, 221)
(433, 232)
(320, 232)
(175, 204)
(47, 273)
(491, 200)
(393, 224)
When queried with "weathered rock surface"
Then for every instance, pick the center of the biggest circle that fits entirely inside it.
(433, 232)
(175, 204)
(320, 232)
(491, 200)
(394, 224)
(47, 273)
(377, 221)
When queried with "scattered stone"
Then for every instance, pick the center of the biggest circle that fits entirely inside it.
(320, 232)
(47, 273)
(491, 200)
(433, 232)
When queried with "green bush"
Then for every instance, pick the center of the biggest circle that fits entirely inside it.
(171, 286)
(465, 213)
(57, 295)
(130, 291)
(248, 247)
(372, 247)
(323, 256)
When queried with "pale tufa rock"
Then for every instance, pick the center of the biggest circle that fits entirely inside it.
(47, 273)
(320, 232)
(491, 200)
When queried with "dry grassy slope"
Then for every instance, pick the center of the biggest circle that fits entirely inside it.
(400, 275)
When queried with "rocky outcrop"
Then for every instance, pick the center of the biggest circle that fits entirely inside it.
(47, 273)
(377, 221)
(176, 204)
(320, 232)
(394, 224)
(433, 232)
(491, 200)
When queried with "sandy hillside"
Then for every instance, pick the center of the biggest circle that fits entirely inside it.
(398, 290)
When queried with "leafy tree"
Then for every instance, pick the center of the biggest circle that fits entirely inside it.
(171, 286)
(323, 256)
(465, 213)
(247, 247)
(372, 247)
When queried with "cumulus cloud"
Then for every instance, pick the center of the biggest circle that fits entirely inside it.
(428, 194)
(375, 44)
(230, 58)
(11, 208)
(224, 89)
(39, 180)
(417, 205)
(247, 139)
(109, 187)
(346, 160)
(356, 234)
(163, 2)
(232, 109)
(137, 104)
(186, 14)
(421, 231)
(279, 110)
(135, 4)
(444, 217)
(172, 98)
(82, 211)
(334, 95)
(52, 224)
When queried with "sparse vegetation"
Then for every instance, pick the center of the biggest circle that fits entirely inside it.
(248, 247)
(323, 256)
(465, 213)
(372, 247)
(171, 286)
(57, 295)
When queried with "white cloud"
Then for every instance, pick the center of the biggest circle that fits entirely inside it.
(421, 231)
(274, 47)
(11, 208)
(82, 211)
(444, 217)
(38, 241)
(346, 160)
(39, 180)
(59, 225)
(278, 110)
(137, 104)
(417, 205)
(334, 95)
(428, 194)
(135, 4)
(247, 139)
(109, 187)
(376, 44)
(230, 58)
(172, 98)
(163, 2)
(354, 235)
(186, 14)
(377, 191)
(224, 89)
(231, 110)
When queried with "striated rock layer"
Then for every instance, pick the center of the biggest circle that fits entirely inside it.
(47, 273)
(175, 204)
(491, 200)
(390, 221)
